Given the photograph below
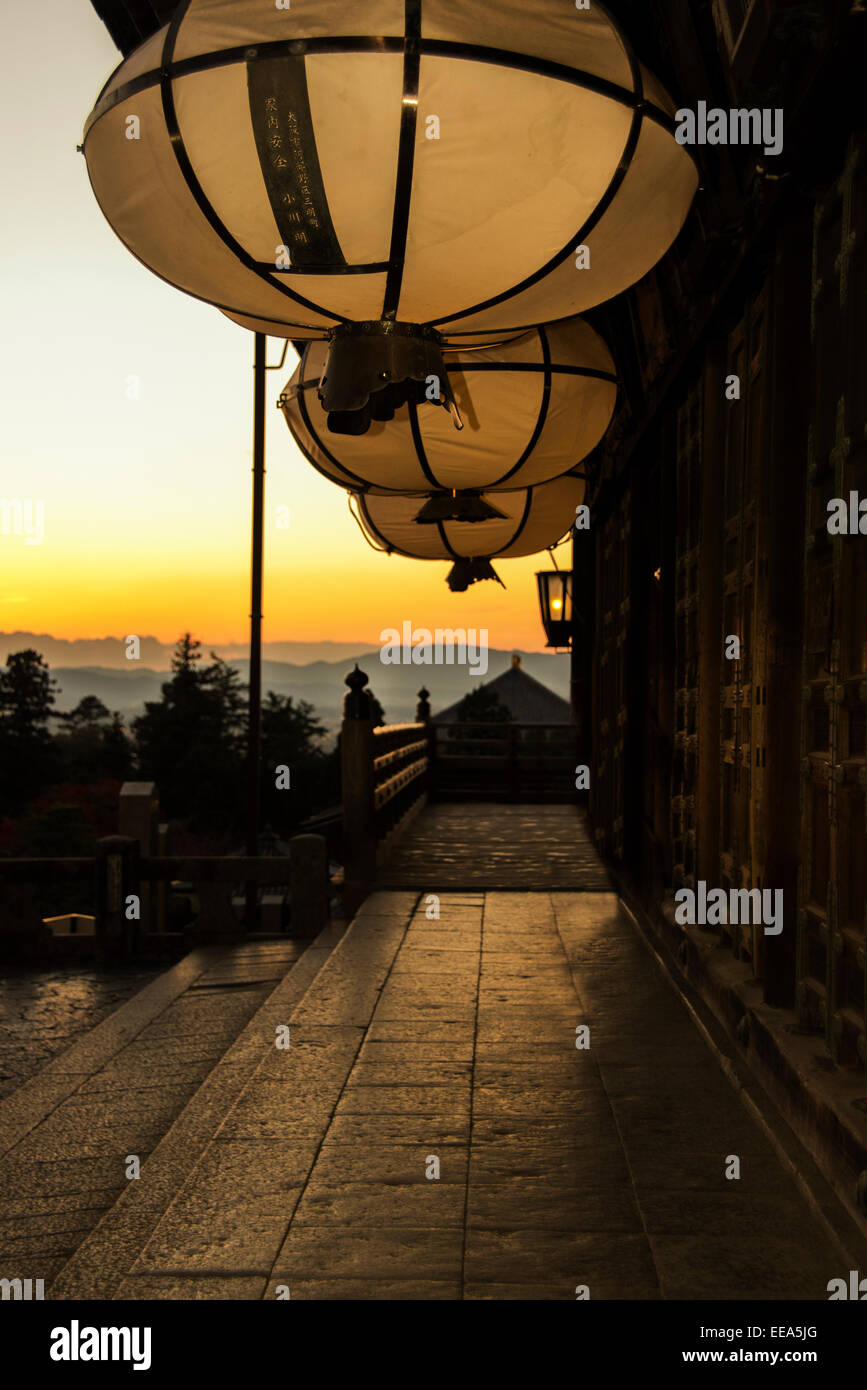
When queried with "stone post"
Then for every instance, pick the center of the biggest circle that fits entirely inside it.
(118, 896)
(138, 818)
(308, 870)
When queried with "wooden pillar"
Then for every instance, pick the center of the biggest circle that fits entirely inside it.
(595, 704)
(357, 793)
(789, 404)
(710, 649)
(581, 653)
(667, 454)
(576, 669)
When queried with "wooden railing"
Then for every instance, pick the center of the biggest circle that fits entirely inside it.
(504, 762)
(204, 896)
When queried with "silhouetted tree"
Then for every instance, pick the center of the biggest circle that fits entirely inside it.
(291, 735)
(190, 741)
(93, 744)
(28, 759)
(290, 731)
(88, 712)
(116, 755)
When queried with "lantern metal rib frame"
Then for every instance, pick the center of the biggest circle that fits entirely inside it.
(361, 485)
(442, 535)
(358, 484)
(418, 445)
(405, 158)
(413, 46)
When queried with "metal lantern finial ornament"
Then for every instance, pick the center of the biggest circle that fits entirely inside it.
(531, 410)
(395, 177)
(523, 522)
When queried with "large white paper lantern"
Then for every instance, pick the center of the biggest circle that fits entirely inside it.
(531, 410)
(529, 520)
(390, 174)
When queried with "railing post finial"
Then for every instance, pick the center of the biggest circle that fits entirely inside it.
(422, 709)
(356, 705)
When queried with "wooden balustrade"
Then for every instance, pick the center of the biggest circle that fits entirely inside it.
(504, 762)
(206, 897)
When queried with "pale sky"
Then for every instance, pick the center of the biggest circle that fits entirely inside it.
(147, 502)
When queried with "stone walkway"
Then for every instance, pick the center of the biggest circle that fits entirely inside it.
(432, 1132)
(492, 845)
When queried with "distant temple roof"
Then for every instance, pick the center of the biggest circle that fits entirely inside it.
(527, 700)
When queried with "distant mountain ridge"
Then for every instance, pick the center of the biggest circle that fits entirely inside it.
(319, 682)
(109, 652)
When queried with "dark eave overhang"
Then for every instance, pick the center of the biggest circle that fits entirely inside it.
(130, 22)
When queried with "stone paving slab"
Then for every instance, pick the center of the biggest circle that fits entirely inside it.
(611, 1263)
(370, 1252)
(435, 1132)
(399, 1164)
(550, 1202)
(388, 1204)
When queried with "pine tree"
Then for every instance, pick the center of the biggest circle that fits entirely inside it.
(291, 735)
(191, 741)
(28, 760)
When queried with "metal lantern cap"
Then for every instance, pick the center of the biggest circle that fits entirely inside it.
(375, 368)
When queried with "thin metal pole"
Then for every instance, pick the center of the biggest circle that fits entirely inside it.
(255, 708)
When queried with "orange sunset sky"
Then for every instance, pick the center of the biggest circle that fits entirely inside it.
(147, 501)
